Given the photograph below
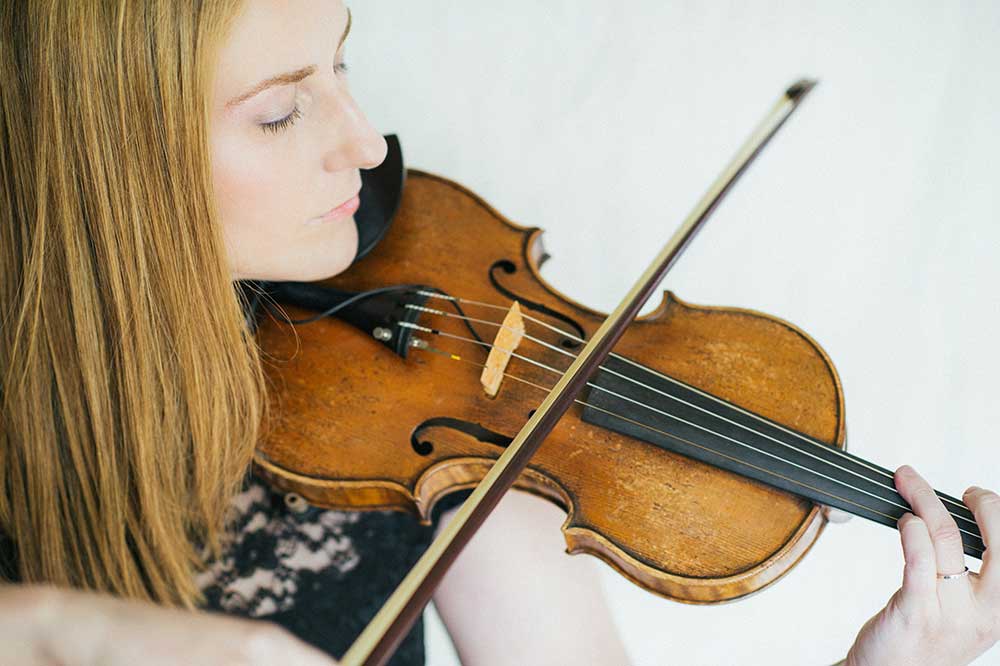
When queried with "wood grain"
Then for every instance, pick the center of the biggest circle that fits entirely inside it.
(344, 408)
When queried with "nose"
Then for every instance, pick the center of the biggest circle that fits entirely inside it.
(355, 143)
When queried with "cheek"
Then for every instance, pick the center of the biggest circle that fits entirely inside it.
(263, 200)
(255, 191)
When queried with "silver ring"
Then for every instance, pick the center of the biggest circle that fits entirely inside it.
(954, 575)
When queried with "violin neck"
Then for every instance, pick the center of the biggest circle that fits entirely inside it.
(631, 399)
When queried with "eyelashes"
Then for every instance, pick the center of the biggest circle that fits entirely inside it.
(276, 126)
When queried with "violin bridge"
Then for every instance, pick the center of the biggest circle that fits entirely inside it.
(508, 338)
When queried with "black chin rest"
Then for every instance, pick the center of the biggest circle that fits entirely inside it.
(381, 191)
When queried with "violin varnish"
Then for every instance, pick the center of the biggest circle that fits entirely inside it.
(508, 338)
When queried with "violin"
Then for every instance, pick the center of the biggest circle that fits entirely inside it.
(697, 461)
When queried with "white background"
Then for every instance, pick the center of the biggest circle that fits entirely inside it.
(871, 222)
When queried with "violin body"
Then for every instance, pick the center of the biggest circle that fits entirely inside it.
(355, 426)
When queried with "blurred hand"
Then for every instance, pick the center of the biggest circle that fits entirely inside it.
(932, 621)
(46, 625)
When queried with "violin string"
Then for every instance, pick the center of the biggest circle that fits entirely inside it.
(672, 397)
(652, 371)
(654, 389)
(683, 440)
(836, 452)
(615, 394)
(668, 378)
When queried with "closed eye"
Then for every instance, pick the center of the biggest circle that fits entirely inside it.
(276, 126)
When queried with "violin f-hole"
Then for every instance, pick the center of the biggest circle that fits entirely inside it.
(485, 435)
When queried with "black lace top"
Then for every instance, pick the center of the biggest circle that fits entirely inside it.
(321, 574)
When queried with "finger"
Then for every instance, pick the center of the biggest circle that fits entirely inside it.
(940, 525)
(835, 515)
(985, 506)
(919, 588)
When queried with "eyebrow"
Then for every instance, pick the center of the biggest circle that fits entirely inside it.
(287, 77)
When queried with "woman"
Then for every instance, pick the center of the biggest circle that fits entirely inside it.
(153, 153)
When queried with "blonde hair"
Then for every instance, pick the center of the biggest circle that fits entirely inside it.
(132, 392)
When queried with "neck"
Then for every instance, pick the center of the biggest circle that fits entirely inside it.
(629, 398)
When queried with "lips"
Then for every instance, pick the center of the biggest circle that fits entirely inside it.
(345, 209)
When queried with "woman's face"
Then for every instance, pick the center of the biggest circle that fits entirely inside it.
(287, 140)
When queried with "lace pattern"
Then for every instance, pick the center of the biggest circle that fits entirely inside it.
(261, 572)
(321, 574)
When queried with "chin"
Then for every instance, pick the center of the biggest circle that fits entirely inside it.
(305, 258)
(321, 273)
(320, 268)
(334, 257)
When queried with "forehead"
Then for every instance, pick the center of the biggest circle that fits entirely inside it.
(271, 37)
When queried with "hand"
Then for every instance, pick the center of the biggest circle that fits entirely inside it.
(46, 625)
(931, 621)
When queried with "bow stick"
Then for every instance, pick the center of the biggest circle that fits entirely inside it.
(390, 625)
